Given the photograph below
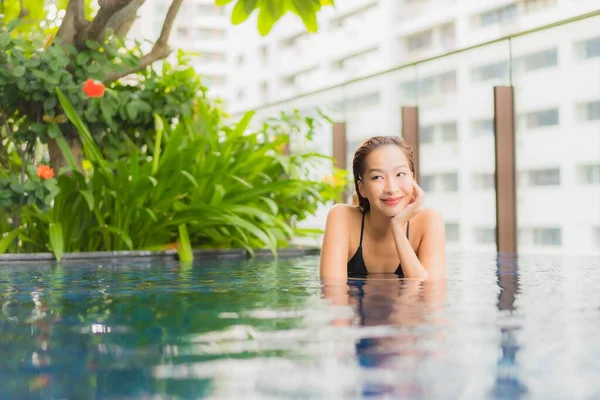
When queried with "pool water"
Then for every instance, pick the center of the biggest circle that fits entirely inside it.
(497, 327)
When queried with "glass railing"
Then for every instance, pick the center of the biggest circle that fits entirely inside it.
(555, 72)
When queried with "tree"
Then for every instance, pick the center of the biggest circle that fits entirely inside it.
(87, 42)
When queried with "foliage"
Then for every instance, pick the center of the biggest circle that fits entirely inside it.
(270, 11)
(230, 186)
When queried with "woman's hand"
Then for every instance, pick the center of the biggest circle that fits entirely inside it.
(413, 208)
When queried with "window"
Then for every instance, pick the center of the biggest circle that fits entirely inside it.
(483, 181)
(588, 111)
(485, 235)
(535, 61)
(452, 231)
(449, 182)
(205, 33)
(264, 55)
(356, 60)
(444, 83)
(547, 236)
(264, 91)
(541, 236)
(211, 56)
(482, 127)
(182, 31)
(495, 70)
(215, 80)
(427, 183)
(368, 100)
(209, 10)
(596, 237)
(241, 94)
(589, 174)
(419, 40)
(499, 15)
(530, 6)
(444, 132)
(540, 177)
(588, 48)
(448, 82)
(541, 118)
(426, 134)
(448, 35)
(354, 17)
(448, 132)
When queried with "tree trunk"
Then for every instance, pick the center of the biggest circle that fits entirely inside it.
(57, 160)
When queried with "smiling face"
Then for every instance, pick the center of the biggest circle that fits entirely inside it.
(387, 180)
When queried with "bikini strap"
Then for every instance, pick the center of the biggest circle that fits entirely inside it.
(362, 225)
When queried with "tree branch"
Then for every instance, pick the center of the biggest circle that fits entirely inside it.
(23, 11)
(73, 21)
(159, 51)
(108, 8)
(124, 17)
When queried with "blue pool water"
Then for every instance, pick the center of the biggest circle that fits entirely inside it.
(526, 328)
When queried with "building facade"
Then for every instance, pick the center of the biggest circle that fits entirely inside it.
(555, 72)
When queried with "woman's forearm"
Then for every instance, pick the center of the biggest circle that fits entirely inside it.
(411, 266)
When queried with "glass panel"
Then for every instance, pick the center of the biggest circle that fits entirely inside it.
(455, 96)
(557, 89)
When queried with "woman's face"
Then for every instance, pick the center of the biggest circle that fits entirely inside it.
(387, 181)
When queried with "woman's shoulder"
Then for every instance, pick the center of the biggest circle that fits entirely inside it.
(429, 218)
(346, 212)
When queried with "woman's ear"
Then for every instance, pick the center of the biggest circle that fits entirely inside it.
(361, 188)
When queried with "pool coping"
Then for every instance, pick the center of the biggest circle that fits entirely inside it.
(203, 254)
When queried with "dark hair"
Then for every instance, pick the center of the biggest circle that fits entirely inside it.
(366, 148)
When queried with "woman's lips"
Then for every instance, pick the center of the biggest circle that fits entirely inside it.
(392, 201)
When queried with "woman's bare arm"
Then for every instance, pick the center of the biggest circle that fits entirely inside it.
(334, 251)
(431, 258)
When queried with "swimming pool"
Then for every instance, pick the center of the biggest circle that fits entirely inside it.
(269, 329)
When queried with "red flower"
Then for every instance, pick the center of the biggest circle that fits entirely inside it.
(93, 88)
(45, 172)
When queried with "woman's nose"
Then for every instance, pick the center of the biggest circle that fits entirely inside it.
(391, 186)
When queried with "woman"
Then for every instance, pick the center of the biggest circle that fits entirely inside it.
(388, 232)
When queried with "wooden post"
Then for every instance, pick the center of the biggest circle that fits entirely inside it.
(410, 134)
(506, 210)
(340, 144)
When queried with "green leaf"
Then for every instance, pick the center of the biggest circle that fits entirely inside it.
(132, 111)
(4, 39)
(38, 127)
(83, 58)
(55, 132)
(222, 2)
(307, 12)
(17, 188)
(44, 77)
(57, 241)
(190, 178)
(89, 198)
(265, 21)
(242, 11)
(19, 71)
(91, 151)
(185, 247)
(94, 69)
(7, 240)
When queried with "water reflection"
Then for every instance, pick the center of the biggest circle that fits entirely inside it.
(410, 315)
(497, 328)
(508, 383)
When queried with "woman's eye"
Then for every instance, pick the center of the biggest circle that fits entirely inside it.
(401, 173)
(375, 178)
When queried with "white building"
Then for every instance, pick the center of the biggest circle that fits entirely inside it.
(555, 72)
(200, 28)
